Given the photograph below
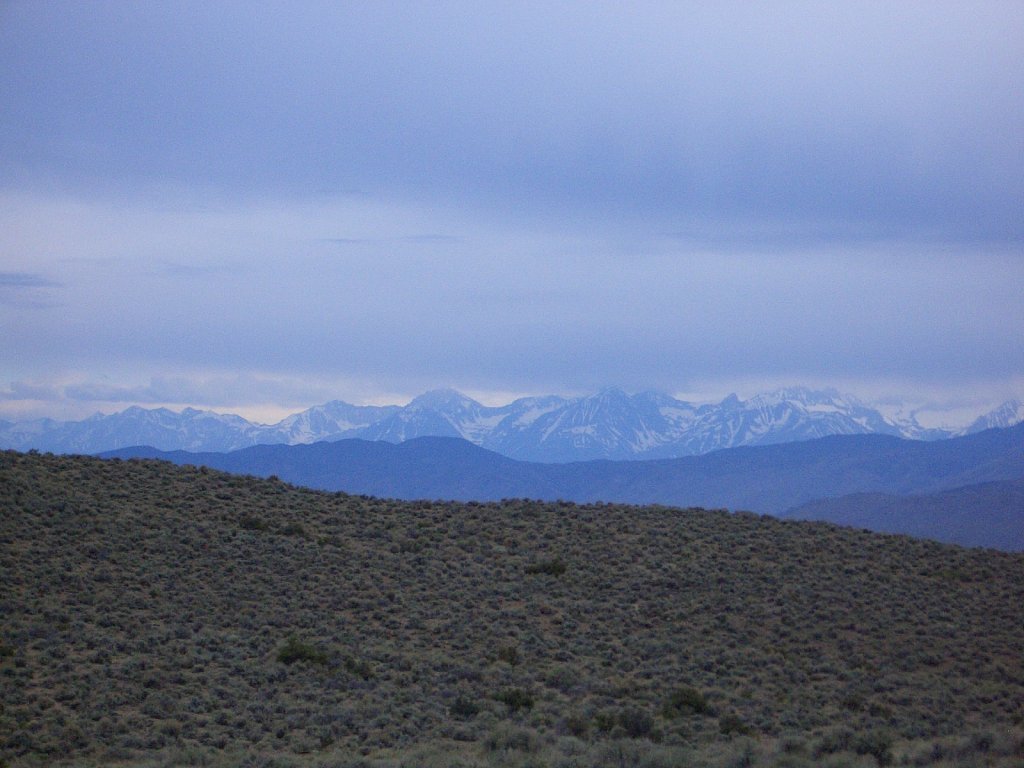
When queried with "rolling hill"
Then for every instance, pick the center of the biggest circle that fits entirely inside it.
(164, 615)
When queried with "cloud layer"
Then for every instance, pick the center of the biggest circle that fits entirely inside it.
(388, 197)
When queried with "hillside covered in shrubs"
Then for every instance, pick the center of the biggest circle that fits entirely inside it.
(162, 615)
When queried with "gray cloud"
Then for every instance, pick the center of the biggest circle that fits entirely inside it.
(20, 280)
(240, 389)
(531, 197)
(895, 117)
(419, 239)
(26, 290)
(202, 271)
(24, 390)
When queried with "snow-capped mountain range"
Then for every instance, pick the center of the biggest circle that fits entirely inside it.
(608, 425)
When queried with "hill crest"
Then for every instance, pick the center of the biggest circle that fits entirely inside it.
(764, 479)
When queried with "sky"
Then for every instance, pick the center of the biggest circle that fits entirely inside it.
(256, 207)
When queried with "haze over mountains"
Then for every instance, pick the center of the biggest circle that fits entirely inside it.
(608, 425)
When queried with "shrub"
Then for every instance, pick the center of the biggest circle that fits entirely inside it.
(982, 742)
(358, 667)
(792, 745)
(577, 725)
(509, 654)
(296, 650)
(685, 701)
(463, 708)
(635, 722)
(553, 567)
(563, 678)
(252, 523)
(515, 699)
(837, 740)
(604, 721)
(293, 529)
(878, 744)
(732, 724)
(507, 739)
(745, 756)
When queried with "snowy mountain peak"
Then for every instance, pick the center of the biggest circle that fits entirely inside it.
(805, 396)
(443, 399)
(608, 400)
(732, 401)
(333, 420)
(1008, 414)
(609, 394)
(439, 413)
(657, 399)
(609, 424)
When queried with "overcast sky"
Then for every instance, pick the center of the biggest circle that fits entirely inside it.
(257, 207)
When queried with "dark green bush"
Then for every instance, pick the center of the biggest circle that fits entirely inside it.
(562, 678)
(635, 722)
(604, 721)
(878, 744)
(553, 567)
(464, 708)
(359, 667)
(515, 699)
(837, 740)
(252, 523)
(732, 724)
(577, 726)
(508, 739)
(685, 701)
(509, 654)
(982, 742)
(296, 650)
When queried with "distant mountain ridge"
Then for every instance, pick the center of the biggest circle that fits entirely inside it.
(607, 425)
(769, 479)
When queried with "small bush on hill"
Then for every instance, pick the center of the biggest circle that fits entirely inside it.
(252, 523)
(878, 744)
(296, 650)
(509, 654)
(464, 708)
(553, 567)
(635, 722)
(359, 667)
(732, 724)
(685, 701)
(515, 699)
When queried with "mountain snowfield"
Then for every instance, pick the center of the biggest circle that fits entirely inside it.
(607, 425)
